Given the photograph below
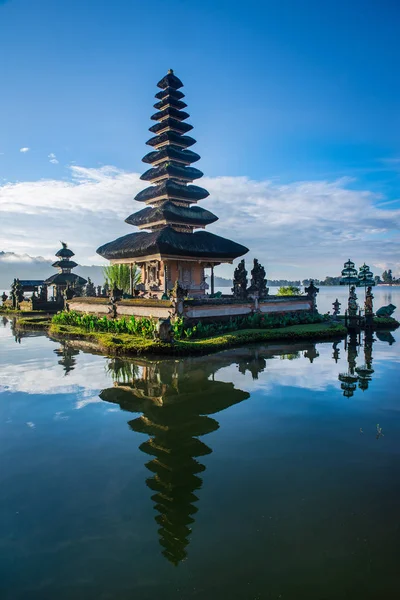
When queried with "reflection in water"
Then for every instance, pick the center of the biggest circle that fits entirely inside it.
(363, 373)
(67, 354)
(176, 402)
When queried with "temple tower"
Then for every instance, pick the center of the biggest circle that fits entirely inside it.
(65, 277)
(167, 248)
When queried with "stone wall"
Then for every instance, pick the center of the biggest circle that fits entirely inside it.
(193, 310)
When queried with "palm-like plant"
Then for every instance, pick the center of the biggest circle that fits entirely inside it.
(119, 276)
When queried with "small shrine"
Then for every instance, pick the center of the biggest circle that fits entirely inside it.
(65, 278)
(172, 244)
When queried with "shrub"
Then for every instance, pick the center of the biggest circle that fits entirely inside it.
(142, 327)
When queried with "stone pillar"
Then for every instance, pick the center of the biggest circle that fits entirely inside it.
(165, 279)
(212, 279)
(131, 279)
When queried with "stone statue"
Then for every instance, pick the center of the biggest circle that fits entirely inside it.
(368, 304)
(164, 331)
(69, 293)
(258, 284)
(98, 291)
(386, 311)
(352, 303)
(43, 293)
(90, 290)
(336, 307)
(178, 291)
(240, 281)
(4, 297)
(312, 292)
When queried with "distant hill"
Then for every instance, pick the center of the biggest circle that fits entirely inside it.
(24, 266)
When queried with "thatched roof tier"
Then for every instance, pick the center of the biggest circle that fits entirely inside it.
(170, 124)
(171, 93)
(168, 153)
(65, 278)
(172, 170)
(170, 112)
(170, 101)
(170, 81)
(171, 137)
(65, 264)
(65, 252)
(168, 242)
(169, 189)
(171, 213)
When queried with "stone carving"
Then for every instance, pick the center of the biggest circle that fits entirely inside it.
(386, 311)
(352, 303)
(258, 285)
(69, 293)
(240, 281)
(90, 290)
(43, 293)
(336, 307)
(164, 331)
(368, 304)
(312, 292)
(4, 297)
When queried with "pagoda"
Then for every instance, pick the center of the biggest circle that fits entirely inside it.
(167, 248)
(65, 277)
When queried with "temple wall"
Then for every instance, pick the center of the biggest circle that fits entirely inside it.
(144, 311)
(225, 308)
(213, 309)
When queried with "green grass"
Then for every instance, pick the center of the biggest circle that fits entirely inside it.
(40, 322)
(127, 344)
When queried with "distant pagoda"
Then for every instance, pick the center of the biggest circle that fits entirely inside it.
(65, 276)
(172, 251)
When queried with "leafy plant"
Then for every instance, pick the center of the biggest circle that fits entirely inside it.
(289, 290)
(119, 276)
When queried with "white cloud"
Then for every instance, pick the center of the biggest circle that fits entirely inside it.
(53, 158)
(306, 228)
(24, 150)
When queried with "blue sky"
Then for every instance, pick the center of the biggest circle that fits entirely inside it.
(281, 92)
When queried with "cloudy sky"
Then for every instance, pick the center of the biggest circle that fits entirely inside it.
(294, 106)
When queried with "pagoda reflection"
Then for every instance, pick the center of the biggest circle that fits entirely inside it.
(67, 354)
(362, 374)
(176, 400)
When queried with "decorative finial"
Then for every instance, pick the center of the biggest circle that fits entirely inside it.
(64, 244)
(170, 71)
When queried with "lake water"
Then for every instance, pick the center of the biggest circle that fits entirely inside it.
(255, 473)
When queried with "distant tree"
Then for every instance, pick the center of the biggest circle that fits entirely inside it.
(289, 290)
(387, 276)
(119, 276)
(377, 280)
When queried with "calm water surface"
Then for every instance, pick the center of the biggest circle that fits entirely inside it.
(253, 473)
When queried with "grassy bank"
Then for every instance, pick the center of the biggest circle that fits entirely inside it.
(34, 322)
(127, 344)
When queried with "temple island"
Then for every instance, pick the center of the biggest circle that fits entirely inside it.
(167, 248)
(171, 303)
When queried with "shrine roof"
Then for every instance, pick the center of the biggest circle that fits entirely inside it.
(167, 241)
(171, 92)
(65, 264)
(65, 252)
(170, 188)
(173, 138)
(171, 123)
(171, 153)
(172, 170)
(169, 211)
(65, 278)
(170, 81)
